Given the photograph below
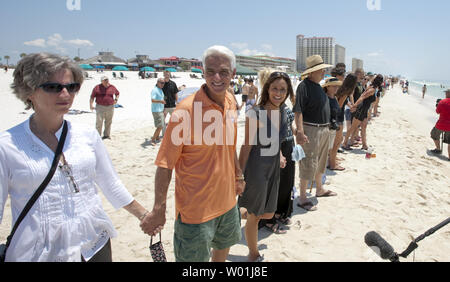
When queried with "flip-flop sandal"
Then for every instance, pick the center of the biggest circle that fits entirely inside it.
(285, 221)
(259, 259)
(328, 193)
(307, 206)
(275, 228)
(339, 168)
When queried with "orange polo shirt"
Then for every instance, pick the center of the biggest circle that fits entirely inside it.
(200, 144)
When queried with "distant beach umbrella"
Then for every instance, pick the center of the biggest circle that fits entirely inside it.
(196, 70)
(171, 70)
(99, 67)
(120, 68)
(86, 67)
(147, 69)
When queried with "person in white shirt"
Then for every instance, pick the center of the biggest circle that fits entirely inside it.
(67, 222)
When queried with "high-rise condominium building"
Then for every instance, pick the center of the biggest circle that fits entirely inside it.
(356, 64)
(323, 46)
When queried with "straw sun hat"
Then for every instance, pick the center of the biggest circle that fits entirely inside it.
(314, 63)
(332, 81)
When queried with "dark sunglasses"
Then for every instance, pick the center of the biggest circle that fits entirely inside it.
(51, 87)
(278, 74)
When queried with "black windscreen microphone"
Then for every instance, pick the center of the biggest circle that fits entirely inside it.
(373, 239)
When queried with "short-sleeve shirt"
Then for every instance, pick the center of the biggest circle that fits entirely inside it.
(157, 94)
(104, 95)
(443, 109)
(170, 91)
(312, 102)
(205, 172)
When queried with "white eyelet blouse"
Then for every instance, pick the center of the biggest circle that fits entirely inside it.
(62, 225)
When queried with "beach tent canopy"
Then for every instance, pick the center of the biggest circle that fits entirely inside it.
(241, 70)
(86, 67)
(171, 70)
(196, 70)
(183, 94)
(120, 68)
(147, 69)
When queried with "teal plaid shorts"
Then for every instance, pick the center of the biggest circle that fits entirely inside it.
(193, 242)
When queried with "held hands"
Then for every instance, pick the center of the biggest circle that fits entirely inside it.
(282, 161)
(240, 187)
(153, 222)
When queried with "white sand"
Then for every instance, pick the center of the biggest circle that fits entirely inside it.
(401, 193)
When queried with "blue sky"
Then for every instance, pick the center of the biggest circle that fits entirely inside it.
(404, 37)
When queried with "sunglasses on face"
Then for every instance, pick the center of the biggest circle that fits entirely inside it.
(51, 87)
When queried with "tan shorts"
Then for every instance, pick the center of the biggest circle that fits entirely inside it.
(316, 152)
(332, 137)
(158, 118)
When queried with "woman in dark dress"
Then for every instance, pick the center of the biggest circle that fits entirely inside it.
(262, 160)
(361, 114)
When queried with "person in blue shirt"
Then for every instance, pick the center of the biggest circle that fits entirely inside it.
(158, 110)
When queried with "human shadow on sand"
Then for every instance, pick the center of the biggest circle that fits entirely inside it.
(439, 156)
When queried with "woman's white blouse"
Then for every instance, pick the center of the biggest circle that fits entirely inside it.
(62, 225)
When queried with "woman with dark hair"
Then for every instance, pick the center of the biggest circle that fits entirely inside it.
(361, 115)
(344, 97)
(261, 168)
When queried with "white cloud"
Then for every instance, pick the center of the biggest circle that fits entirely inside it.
(239, 45)
(242, 48)
(266, 46)
(376, 54)
(80, 42)
(248, 52)
(57, 42)
(36, 43)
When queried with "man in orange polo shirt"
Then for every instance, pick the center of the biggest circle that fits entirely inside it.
(208, 176)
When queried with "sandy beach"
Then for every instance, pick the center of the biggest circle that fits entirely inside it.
(401, 193)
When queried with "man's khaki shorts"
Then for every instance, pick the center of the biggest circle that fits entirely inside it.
(316, 152)
(436, 135)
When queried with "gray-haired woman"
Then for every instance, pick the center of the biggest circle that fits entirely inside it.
(67, 222)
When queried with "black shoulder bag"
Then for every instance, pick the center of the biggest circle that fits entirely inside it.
(26, 209)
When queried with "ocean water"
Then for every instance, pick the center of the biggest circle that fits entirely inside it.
(434, 89)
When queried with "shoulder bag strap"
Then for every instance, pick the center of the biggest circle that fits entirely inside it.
(41, 188)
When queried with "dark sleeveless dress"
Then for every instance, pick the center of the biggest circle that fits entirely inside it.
(262, 173)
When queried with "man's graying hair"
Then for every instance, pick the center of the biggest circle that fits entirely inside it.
(220, 51)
